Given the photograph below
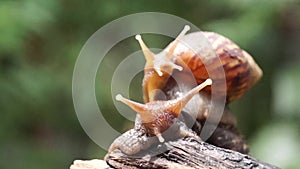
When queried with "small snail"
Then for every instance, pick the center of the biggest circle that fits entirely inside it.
(158, 118)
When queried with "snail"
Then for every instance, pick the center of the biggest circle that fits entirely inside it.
(158, 118)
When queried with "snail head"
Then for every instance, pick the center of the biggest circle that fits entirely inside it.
(157, 116)
(162, 62)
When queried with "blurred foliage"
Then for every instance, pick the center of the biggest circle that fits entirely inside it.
(40, 41)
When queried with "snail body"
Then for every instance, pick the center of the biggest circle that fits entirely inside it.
(157, 115)
(241, 71)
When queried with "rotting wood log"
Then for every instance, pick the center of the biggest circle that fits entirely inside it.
(183, 153)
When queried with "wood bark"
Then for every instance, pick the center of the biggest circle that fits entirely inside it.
(184, 153)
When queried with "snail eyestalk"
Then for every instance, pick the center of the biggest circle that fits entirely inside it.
(149, 110)
(182, 33)
(144, 110)
(138, 107)
(187, 97)
(160, 62)
(147, 53)
(182, 101)
(164, 59)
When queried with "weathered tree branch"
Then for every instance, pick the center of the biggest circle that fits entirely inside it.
(183, 153)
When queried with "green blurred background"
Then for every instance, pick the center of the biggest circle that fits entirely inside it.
(40, 41)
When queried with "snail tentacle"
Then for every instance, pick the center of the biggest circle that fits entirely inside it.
(162, 62)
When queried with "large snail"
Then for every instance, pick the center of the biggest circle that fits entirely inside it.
(157, 119)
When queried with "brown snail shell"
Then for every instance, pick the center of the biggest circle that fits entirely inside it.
(241, 71)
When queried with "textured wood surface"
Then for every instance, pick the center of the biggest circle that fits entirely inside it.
(183, 153)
